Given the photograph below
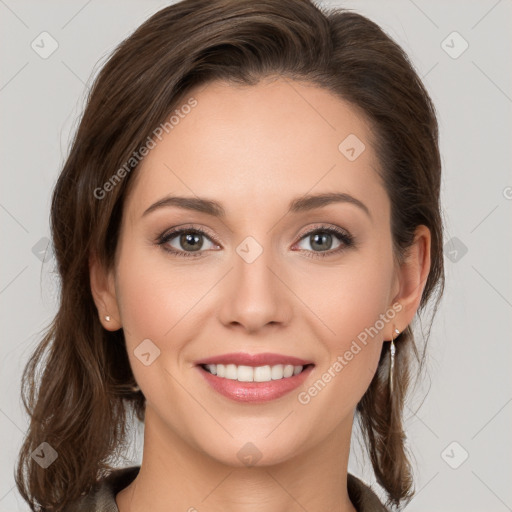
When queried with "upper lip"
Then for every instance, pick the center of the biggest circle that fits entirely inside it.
(244, 359)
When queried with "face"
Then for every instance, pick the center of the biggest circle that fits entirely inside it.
(279, 274)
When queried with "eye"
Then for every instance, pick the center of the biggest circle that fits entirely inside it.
(185, 242)
(189, 241)
(321, 239)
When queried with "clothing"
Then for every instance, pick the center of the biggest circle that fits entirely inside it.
(102, 496)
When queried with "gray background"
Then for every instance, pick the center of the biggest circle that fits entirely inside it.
(467, 395)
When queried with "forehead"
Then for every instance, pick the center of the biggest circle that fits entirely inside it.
(249, 146)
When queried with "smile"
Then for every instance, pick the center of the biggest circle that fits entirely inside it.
(243, 373)
(254, 378)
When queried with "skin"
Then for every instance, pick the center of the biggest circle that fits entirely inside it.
(254, 149)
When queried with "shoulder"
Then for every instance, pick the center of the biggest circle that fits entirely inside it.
(102, 497)
(362, 496)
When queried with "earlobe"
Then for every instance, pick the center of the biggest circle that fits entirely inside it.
(413, 274)
(104, 294)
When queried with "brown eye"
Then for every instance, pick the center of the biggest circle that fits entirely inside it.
(185, 242)
(321, 240)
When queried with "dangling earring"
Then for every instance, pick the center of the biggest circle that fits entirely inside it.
(107, 318)
(392, 351)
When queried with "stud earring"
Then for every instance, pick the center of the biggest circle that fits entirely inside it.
(392, 351)
(107, 318)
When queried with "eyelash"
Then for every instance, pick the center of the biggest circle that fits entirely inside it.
(347, 239)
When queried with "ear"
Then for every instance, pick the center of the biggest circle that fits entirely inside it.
(104, 294)
(412, 278)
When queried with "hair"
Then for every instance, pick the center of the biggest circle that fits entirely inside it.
(77, 385)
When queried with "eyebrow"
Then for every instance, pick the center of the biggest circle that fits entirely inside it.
(298, 205)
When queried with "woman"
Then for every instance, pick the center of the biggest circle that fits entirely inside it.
(246, 226)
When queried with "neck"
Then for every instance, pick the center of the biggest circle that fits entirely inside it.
(176, 476)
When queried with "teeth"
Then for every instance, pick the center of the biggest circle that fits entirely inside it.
(253, 374)
(244, 374)
(276, 372)
(262, 374)
(231, 372)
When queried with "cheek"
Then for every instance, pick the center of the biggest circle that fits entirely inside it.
(151, 307)
(158, 301)
(349, 299)
(353, 306)
(154, 296)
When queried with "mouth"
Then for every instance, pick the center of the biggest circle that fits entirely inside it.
(254, 378)
(266, 373)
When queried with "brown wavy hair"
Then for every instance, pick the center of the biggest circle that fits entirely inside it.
(77, 385)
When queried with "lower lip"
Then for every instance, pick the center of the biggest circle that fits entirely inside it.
(255, 392)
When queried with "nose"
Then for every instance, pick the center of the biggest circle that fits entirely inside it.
(255, 295)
